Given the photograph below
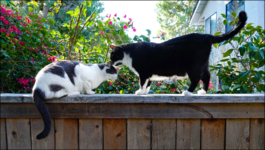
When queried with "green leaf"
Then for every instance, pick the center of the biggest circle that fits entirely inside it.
(261, 87)
(245, 89)
(233, 14)
(217, 33)
(228, 52)
(71, 13)
(225, 22)
(252, 54)
(236, 86)
(31, 9)
(42, 20)
(52, 22)
(224, 15)
(215, 45)
(243, 74)
(242, 50)
(248, 25)
(225, 87)
(253, 48)
(149, 32)
(231, 23)
(51, 13)
(261, 54)
(224, 60)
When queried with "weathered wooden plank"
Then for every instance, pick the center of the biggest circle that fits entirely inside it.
(18, 133)
(90, 134)
(188, 134)
(3, 134)
(66, 133)
(163, 133)
(36, 128)
(237, 134)
(138, 133)
(257, 134)
(136, 110)
(150, 98)
(114, 133)
(212, 134)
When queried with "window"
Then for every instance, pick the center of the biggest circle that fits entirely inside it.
(233, 6)
(210, 24)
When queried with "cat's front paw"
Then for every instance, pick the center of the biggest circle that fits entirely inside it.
(186, 93)
(90, 92)
(140, 92)
(201, 92)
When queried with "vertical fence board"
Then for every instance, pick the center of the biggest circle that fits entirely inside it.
(163, 133)
(114, 133)
(90, 134)
(18, 133)
(188, 134)
(3, 134)
(37, 126)
(212, 134)
(257, 134)
(66, 133)
(138, 133)
(237, 134)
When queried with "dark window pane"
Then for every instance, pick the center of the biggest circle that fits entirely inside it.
(213, 24)
(208, 26)
(233, 6)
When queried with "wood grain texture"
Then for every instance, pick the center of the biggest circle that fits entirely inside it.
(257, 134)
(163, 133)
(66, 133)
(136, 110)
(36, 127)
(237, 134)
(150, 98)
(212, 134)
(188, 134)
(138, 133)
(18, 133)
(114, 133)
(90, 134)
(3, 134)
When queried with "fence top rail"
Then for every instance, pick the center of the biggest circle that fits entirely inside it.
(131, 98)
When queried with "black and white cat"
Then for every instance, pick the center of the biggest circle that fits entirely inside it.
(187, 55)
(67, 78)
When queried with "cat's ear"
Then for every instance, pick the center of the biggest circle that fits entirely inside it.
(112, 46)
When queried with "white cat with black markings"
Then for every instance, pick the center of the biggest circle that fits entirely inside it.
(67, 78)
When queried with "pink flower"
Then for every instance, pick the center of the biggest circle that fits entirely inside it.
(110, 22)
(40, 27)
(124, 16)
(132, 82)
(129, 22)
(43, 52)
(125, 27)
(117, 69)
(28, 20)
(21, 43)
(134, 30)
(30, 13)
(200, 81)
(33, 80)
(130, 19)
(110, 84)
(2, 30)
(2, 18)
(24, 25)
(7, 34)
(51, 40)
(39, 17)
(210, 85)
(163, 34)
(33, 60)
(173, 90)
(157, 84)
(10, 30)
(115, 15)
(108, 16)
(14, 28)
(6, 21)
(52, 58)
(121, 75)
(163, 91)
(158, 37)
(9, 12)
(101, 32)
(19, 17)
(23, 81)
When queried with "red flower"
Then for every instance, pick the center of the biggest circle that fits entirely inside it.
(19, 17)
(33, 80)
(28, 20)
(33, 60)
(2, 18)
(52, 58)
(101, 32)
(23, 81)
(2, 30)
(157, 84)
(110, 22)
(6, 21)
(173, 90)
(115, 15)
(110, 84)
(30, 13)
(163, 34)
(132, 82)
(21, 43)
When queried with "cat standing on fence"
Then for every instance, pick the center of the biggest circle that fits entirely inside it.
(67, 78)
(186, 55)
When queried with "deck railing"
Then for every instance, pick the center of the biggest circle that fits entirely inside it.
(136, 122)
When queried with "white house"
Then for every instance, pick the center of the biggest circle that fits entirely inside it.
(208, 13)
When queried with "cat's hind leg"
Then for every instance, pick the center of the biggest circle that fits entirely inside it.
(143, 86)
(205, 82)
(194, 79)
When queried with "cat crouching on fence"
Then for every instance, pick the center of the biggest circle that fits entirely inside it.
(182, 56)
(67, 78)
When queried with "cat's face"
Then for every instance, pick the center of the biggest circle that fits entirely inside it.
(109, 71)
(116, 55)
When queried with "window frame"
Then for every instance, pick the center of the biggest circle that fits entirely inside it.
(210, 22)
(226, 13)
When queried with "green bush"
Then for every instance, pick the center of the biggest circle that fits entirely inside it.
(248, 49)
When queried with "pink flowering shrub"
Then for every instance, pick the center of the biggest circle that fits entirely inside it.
(25, 48)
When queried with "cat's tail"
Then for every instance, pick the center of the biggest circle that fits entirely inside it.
(241, 23)
(38, 97)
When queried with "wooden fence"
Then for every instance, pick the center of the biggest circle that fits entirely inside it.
(136, 122)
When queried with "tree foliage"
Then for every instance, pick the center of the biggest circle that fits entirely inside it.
(174, 16)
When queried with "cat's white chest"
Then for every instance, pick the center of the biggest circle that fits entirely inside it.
(127, 60)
